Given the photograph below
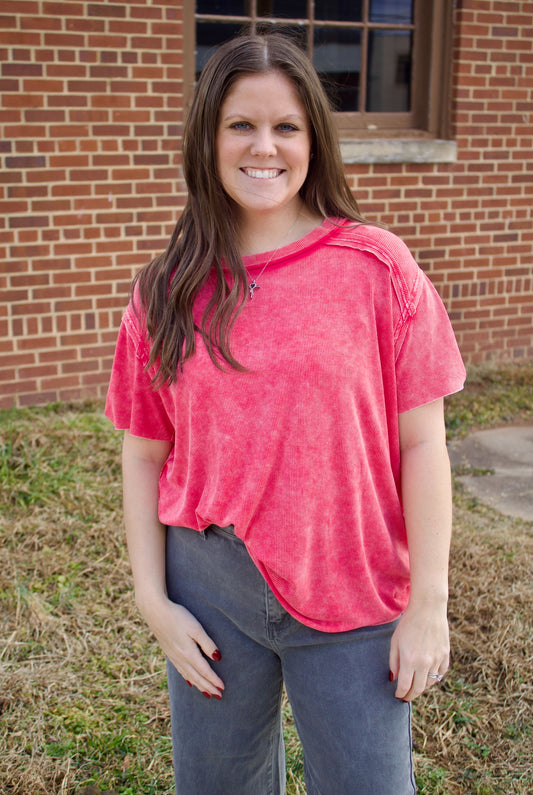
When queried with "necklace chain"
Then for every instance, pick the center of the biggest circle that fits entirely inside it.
(252, 285)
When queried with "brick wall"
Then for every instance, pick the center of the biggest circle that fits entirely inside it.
(90, 115)
(90, 120)
(470, 223)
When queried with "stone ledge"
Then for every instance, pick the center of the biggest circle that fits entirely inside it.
(399, 151)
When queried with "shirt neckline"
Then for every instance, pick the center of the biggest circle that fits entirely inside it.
(328, 225)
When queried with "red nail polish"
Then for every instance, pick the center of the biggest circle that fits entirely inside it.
(391, 676)
(207, 695)
(188, 683)
(219, 698)
(216, 656)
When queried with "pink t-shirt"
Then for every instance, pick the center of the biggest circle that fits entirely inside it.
(301, 453)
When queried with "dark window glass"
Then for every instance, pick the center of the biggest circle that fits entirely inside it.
(226, 8)
(209, 35)
(339, 10)
(285, 9)
(337, 58)
(389, 71)
(398, 12)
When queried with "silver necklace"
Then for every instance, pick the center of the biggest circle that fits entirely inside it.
(252, 285)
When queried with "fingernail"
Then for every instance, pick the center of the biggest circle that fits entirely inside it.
(207, 695)
(391, 676)
(219, 698)
(216, 656)
(188, 683)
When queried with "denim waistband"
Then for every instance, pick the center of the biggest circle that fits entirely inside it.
(228, 532)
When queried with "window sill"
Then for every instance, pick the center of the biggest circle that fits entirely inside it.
(399, 151)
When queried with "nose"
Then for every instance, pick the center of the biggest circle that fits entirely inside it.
(263, 144)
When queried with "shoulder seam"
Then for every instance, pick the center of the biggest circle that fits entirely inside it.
(130, 321)
(407, 295)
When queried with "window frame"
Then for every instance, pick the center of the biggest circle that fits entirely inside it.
(429, 117)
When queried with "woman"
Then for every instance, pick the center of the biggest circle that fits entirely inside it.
(280, 375)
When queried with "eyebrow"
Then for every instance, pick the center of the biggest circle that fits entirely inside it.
(282, 117)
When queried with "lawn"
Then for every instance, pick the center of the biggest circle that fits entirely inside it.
(82, 685)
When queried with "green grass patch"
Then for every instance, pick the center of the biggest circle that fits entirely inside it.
(83, 701)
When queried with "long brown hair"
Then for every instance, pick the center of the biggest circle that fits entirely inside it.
(206, 233)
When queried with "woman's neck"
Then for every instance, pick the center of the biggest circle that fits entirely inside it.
(265, 233)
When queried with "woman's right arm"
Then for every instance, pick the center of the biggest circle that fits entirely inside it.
(180, 635)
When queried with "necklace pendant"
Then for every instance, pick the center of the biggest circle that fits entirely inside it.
(252, 287)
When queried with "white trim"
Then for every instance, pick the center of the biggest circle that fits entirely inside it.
(399, 151)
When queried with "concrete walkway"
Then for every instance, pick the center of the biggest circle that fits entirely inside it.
(503, 458)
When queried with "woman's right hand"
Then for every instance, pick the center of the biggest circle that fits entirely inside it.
(186, 644)
(181, 636)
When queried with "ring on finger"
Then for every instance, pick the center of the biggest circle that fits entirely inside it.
(438, 677)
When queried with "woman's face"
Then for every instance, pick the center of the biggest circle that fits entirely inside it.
(263, 146)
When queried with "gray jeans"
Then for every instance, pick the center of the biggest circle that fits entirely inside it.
(355, 735)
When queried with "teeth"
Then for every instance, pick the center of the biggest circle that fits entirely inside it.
(266, 173)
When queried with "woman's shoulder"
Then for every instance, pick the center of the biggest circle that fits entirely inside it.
(369, 236)
(133, 322)
(389, 252)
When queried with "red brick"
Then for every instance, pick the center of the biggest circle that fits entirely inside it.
(70, 9)
(115, 41)
(70, 40)
(105, 10)
(38, 371)
(108, 71)
(112, 130)
(86, 25)
(128, 26)
(110, 101)
(8, 389)
(16, 222)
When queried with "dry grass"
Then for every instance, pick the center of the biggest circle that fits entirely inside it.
(82, 687)
(474, 734)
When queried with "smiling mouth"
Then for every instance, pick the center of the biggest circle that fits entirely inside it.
(262, 173)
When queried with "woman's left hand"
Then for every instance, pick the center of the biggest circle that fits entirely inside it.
(420, 646)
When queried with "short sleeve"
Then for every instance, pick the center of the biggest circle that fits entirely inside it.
(428, 365)
(133, 403)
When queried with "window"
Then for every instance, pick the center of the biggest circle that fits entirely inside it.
(384, 63)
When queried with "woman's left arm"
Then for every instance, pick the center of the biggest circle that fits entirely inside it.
(420, 644)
